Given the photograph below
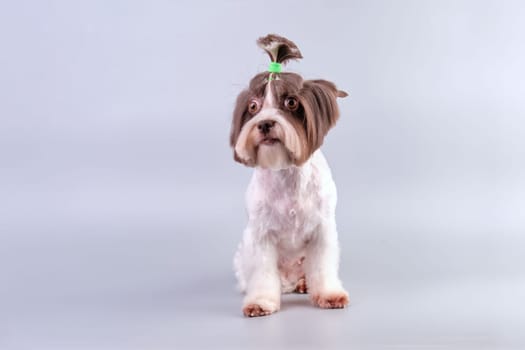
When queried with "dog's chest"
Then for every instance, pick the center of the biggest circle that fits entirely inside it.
(290, 208)
(293, 215)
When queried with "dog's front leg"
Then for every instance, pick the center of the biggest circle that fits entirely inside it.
(263, 290)
(321, 268)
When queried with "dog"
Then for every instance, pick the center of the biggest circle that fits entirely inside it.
(290, 243)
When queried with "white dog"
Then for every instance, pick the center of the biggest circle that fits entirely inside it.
(290, 243)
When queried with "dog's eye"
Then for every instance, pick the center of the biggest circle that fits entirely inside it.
(291, 103)
(253, 107)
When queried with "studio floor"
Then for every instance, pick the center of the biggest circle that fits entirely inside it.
(130, 286)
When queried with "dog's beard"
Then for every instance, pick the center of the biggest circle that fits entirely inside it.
(276, 155)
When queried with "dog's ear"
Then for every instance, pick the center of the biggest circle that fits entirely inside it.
(319, 101)
(238, 121)
(330, 86)
(280, 49)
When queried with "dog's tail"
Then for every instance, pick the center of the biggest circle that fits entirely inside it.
(280, 49)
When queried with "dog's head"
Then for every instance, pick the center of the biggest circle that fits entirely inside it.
(281, 119)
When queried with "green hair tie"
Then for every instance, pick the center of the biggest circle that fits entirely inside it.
(275, 67)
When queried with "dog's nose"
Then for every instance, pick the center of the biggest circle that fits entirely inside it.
(265, 126)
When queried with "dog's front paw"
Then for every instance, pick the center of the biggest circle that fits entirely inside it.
(260, 307)
(331, 300)
(255, 310)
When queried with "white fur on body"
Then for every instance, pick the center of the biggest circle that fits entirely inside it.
(291, 217)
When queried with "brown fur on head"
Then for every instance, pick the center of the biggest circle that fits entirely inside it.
(280, 120)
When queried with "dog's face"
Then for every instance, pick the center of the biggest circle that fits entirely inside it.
(280, 122)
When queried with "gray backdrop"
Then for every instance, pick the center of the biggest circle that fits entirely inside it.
(121, 206)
